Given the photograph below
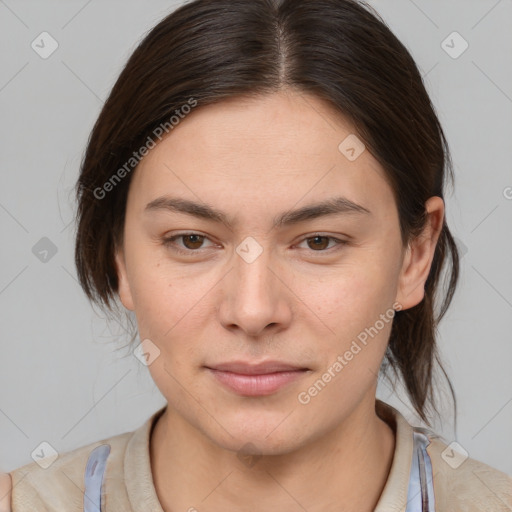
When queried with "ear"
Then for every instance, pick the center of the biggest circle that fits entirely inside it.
(124, 292)
(419, 255)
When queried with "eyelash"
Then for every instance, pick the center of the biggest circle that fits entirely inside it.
(169, 242)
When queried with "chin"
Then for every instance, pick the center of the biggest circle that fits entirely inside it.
(256, 434)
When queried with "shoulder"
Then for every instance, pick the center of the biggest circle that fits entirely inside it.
(57, 482)
(5, 492)
(465, 484)
(460, 483)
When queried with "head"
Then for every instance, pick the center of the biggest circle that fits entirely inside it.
(265, 181)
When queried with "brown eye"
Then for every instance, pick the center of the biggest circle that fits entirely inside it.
(323, 244)
(319, 242)
(192, 241)
(186, 243)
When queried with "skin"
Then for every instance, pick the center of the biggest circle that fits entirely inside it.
(5, 492)
(302, 300)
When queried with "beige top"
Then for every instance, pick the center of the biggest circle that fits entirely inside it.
(459, 485)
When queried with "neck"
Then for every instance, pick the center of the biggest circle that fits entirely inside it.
(345, 470)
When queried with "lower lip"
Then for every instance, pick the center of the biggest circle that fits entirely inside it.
(256, 385)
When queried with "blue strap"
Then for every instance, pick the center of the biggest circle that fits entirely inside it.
(420, 494)
(94, 472)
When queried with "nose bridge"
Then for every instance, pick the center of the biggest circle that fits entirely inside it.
(254, 297)
(253, 273)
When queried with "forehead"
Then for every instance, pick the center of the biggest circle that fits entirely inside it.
(262, 151)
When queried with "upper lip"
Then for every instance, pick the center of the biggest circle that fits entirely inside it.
(246, 368)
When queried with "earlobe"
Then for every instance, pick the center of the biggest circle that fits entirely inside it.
(124, 291)
(419, 256)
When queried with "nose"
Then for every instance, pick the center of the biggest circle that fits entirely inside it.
(256, 297)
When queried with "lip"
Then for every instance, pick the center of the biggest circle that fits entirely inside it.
(259, 379)
(263, 368)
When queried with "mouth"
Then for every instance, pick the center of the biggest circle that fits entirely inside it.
(261, 379)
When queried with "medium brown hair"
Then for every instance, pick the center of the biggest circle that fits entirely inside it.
(341, 51)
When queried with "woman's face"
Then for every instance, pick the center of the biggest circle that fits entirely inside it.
(314, 291)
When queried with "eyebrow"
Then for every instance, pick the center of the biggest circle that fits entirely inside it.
(333, 206)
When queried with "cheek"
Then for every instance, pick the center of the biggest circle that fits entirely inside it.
(170, 303)
(352, 297)
(358, 310)
(152, 299)
(154, 292)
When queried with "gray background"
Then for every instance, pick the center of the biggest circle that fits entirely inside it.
(62, 378)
